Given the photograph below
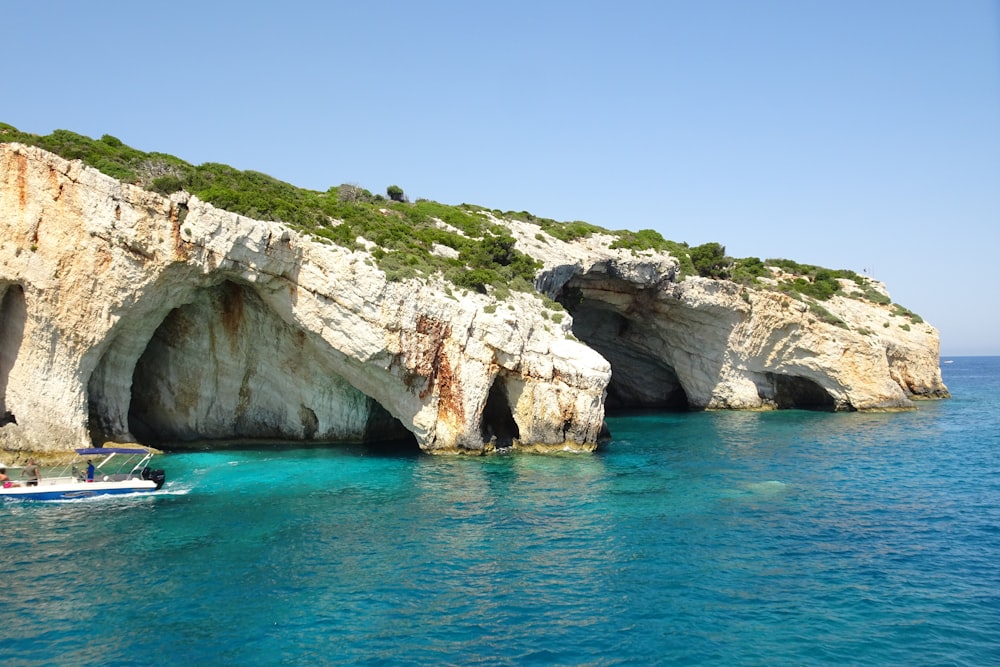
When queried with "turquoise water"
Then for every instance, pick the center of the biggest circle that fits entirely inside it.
(786, 538)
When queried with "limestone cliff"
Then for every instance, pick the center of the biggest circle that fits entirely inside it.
(126, 315)
(714, 344)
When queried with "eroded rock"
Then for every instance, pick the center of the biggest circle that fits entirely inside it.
(713, 344)
(125, 315)
(128, 314)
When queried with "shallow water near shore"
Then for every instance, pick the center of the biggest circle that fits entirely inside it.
(708, 538)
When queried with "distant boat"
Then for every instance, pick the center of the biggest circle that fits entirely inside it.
(121, 470)
(948, 361)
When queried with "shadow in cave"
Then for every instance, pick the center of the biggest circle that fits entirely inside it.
(639, 379)
(498, 425)
(790, 392)
(13, 316)
(656, 387)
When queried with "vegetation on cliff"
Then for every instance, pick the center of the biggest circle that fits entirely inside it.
(464, 243)
(411, 239)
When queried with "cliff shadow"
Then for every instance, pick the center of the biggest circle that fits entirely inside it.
(13, 316)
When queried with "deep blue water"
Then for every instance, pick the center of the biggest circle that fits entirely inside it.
(782, 538)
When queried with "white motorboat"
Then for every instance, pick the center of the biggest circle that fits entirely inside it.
(119, 470)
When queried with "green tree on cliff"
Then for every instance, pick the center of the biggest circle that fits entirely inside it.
(395, 193)
(710, 260)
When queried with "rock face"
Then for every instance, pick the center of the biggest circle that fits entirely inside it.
(713, 344)
(125, 316)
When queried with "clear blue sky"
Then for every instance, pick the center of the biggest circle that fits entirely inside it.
(851, 134)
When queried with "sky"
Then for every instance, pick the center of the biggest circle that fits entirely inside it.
(849, 134)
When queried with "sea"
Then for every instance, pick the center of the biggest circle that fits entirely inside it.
(707, 538)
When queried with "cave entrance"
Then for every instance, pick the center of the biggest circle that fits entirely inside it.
(616, 319)
(498, 423)
(640, 379)
(792, 392)
(13, 316)
(225, 368)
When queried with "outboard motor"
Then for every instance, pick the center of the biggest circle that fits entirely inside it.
(157, 476)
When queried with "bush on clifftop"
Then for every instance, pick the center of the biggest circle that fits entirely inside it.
(408, 235)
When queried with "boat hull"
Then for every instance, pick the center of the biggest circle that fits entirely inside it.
(76, 490)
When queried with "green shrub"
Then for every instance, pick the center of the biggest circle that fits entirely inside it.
(395, 193)
(814, 281)
(898, 310)
(746, 271)
(569, 231)
(644, 239)
(165, 185)
(790, 266)
(474, 279)
(875, 296)
(710, 260)
(825, 315)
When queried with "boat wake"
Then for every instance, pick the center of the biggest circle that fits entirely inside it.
(171, 492)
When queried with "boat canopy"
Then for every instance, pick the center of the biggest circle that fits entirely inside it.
(103, 451)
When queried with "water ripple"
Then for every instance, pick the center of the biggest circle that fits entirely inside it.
(711, 538)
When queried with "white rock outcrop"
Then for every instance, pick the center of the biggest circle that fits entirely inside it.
(129, 316)
(713, 344)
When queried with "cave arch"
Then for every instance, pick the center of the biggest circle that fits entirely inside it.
(225, 367)
(794, 392)
(640, 377)
(497, 424)
(13, 317)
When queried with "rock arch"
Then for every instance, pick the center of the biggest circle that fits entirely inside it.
(225, 366)
(639, 378)
(788, 392)
(623, 321)
(113, 262)
(669, 350)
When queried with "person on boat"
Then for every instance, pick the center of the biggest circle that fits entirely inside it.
(5, 480)
(90, 471)
(32, 472)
